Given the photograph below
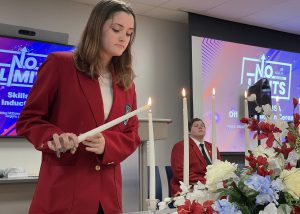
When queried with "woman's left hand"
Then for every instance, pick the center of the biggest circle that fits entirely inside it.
(95, 143)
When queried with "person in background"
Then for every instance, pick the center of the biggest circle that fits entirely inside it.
(77, 92)
(200, 155)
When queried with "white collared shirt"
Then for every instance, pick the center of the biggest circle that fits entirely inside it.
(105, 82)
(197, 142)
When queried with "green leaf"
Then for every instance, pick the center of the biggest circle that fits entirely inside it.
(290, 200)
(244, 209)
(284, 208)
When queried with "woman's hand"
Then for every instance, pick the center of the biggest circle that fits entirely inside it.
(63, 143)
(95, 143)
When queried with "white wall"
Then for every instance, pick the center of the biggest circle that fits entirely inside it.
(161, 62)
(161, 58)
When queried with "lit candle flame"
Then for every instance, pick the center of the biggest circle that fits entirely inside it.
(149, 102)
(214, 92)
(277, 99)
(246, 94)
(183, 92)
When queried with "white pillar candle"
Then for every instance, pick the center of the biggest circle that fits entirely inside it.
(116, 121)
(246, 130)
(151, 154)
(214, 137)
(186, 164)
(277, 109)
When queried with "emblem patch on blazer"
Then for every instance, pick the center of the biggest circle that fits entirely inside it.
(128, 109)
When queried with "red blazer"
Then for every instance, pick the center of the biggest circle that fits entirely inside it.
(196, 161)
(64, 100)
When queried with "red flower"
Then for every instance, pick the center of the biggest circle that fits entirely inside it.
(284, 150)
(295, 102)
(253, 124)
(268, 131)
(296, 210)
(251, 160)
(270, 140)
(185, 208)
(296, 120)
(195, 207)
(262, 160)
(207, 206)
(263, 172)
(259, 165)
(291, 137)
(288, 166)
(191, 208)
(244, 120)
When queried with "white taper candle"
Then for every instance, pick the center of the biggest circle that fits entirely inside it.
(214, 129)
(186, 164)
(116, 121)
(246, 129)
(151, 154)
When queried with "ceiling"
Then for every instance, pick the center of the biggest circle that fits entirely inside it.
(282, 15)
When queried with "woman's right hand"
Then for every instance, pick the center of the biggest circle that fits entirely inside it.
(63, 143)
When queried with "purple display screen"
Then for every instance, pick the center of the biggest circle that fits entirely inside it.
(20, 60)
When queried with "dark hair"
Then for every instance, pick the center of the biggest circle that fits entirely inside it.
(87, 55)
(194, 120)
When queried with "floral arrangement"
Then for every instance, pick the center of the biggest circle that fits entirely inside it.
(273, 131)
(269, 184)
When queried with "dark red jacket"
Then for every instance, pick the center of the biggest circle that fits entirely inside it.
(196, 161)
(64, 100)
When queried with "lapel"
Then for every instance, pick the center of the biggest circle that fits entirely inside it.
(91, 90)
(208, 149)
(196, 149)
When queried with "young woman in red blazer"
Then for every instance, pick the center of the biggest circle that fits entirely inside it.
(74, 93)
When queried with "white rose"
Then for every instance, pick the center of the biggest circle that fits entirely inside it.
(219, 172)
(179, 200)
(199, 186)
(162, 205)
(293, 158)
(276, 164)
(262, 151)
(184, 187)
(270, 209)
(267, 109)
(258, 109)
(281, 124)
(291, 179)
(205, 195)
(196, 195)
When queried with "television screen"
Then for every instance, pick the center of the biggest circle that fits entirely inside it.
(231, 68)
(19, 61)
